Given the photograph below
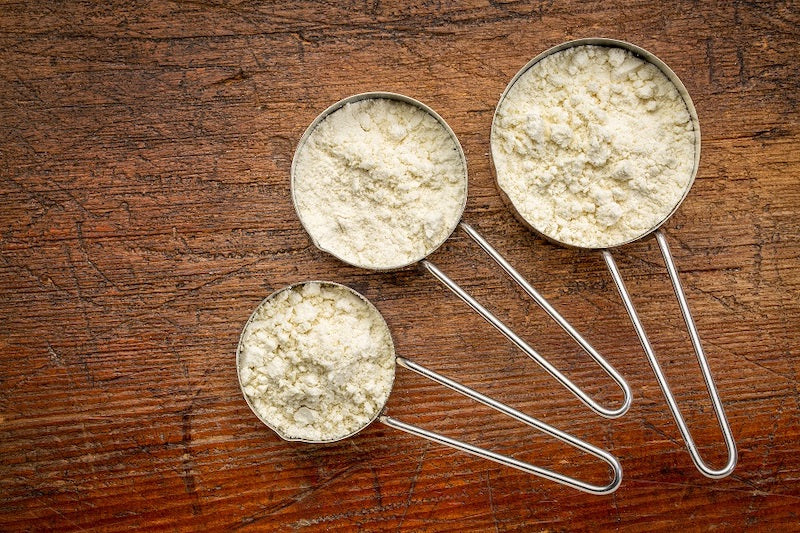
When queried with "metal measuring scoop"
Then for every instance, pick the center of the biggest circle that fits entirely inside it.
(453, 286)
(379, 413)
(665, 252)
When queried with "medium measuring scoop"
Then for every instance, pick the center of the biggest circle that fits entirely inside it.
(662, 244)
(304, 214)
(378, 411)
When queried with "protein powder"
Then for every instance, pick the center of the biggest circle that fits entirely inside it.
(593, 146)
(378, 182)
(316, 362)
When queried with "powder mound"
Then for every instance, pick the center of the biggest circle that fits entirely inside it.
(379, 183)
(593, 146)
(316, 362)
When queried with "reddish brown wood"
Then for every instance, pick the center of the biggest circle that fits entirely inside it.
(145, 210)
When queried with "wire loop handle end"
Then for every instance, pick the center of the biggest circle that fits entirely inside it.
(701, 359)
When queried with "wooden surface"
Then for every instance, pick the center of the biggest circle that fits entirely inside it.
(145, 211)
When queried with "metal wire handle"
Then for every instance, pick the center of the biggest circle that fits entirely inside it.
(524, 346)
(701, 359)
(517, 415)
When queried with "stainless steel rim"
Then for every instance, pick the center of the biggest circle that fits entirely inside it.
(386, 96)
(642, 54)
(239, 351)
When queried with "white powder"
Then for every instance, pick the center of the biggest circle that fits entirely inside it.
(593, 146)
(316, 362)
(379, 183)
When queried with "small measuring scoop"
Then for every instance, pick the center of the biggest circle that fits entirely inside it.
(662, 243)
(378, 411)
(305, 214)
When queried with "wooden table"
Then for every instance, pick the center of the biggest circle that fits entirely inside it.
(146, 211)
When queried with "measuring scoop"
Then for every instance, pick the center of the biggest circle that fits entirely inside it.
(304, 214)
(378, 411)
(665, 252)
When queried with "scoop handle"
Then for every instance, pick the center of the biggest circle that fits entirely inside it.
(524, 346)
(503, 459)
(701, 359)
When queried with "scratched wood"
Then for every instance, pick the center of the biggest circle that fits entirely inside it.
(145, 211)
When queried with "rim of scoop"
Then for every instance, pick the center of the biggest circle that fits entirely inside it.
(273, 295)
(641, 53)
(380, 95)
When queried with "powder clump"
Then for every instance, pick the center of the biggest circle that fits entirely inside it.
(593, 146)
(316, 362)
(379, 183)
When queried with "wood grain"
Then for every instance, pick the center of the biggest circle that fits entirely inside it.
(144, 160)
